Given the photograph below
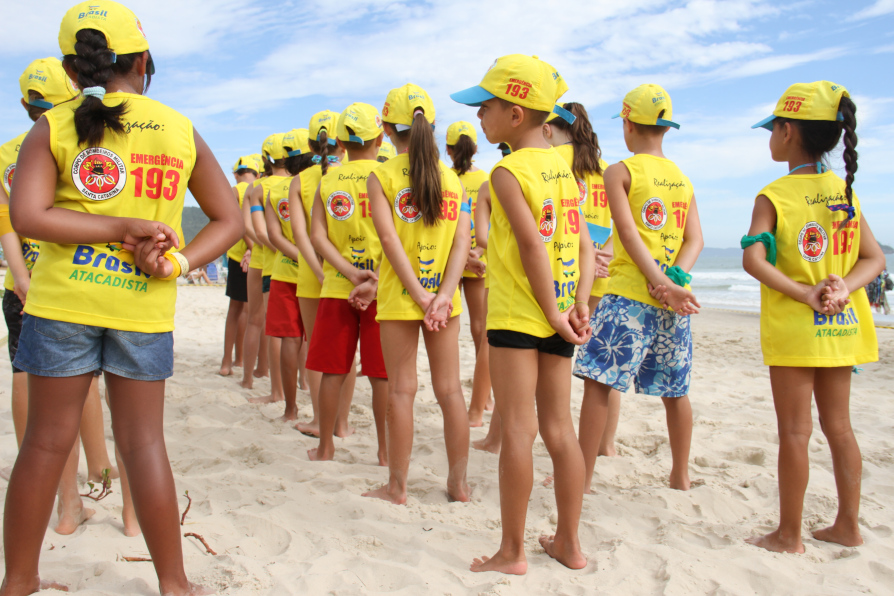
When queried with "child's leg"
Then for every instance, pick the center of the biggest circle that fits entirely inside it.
(19, 404)
(557, 430)
(493, 440)
(607, 445)
(593, 416)
(240, 334)
(792, 391)
(476, 300)
(291, 346)
(138, 423)
(262, 369)
(302, 367)
(253, 328)
(679, 429)
(330, 390)
(55, 407)
(231, 330)
(400, 341)
(308, 307)
(274, 357)
(345, 397)
(93, 436)
(480, 385)
(832, 391)
(380, 414)
(71, 510)
(128, 514)
(514, 390)
(443, 357)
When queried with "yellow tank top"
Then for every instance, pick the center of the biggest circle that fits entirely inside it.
(269, 258)
(428, 248)
(143, 173)
(276, 197)
(551, 194)
(308, 284)
(9, 154)
(238, 250)
(472, 182)
(350, 225)
(659, 199)
(811, 243)
(594, 204)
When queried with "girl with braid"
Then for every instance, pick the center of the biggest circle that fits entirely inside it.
(813, 259)
(102, 295)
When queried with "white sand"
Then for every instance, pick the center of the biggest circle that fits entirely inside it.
(284, 525)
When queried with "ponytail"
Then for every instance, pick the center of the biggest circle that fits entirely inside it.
(425, 170)
(587, 152)
(848, 111)
(95, 64)
(324, 150)
(463, 151)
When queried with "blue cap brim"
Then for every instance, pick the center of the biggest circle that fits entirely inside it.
(564, 114)
(766, 123)
(618, 115)
(663, 122)
(40, 103)
(473, 96)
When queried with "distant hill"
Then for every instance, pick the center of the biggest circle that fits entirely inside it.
(193, 221)
(720, 252)
(886, 249)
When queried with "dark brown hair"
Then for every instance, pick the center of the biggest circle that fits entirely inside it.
(95, 64)
(321, 148)
(296, 164)
(425, 169)
(584, 141)
(463, 152)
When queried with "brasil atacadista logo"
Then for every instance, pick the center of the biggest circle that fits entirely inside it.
(8, 173)
(405, 208)
(98, 173)
(547, 224)
(654, 214)
(282, 208)
(340, 205)
(813, 242)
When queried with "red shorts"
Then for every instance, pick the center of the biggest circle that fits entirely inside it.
(283, 314)
(336, 329)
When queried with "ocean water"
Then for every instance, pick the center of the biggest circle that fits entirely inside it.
(718, 281)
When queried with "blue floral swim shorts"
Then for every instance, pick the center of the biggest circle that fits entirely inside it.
(639, 343)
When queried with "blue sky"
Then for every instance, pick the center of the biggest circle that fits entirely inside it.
(242, 69)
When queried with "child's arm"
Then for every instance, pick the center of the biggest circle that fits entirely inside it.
(438, 313)
(12, 250)
(870, 263)
(617, 185)
(319, 237)
(534, 258)
(299, 228)
(245, 238)
(391, 245)
(246, 217)
(275, 235)
(258, 216)
(580, 315)
(604, 257)
(482, 218)
(693, 241)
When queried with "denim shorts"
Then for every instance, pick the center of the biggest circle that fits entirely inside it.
(637, 343)
(50, 348)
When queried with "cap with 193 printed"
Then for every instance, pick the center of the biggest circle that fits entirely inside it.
(402, 103)
(648, 104)
(458, 129)
(808, 101)
(326, 120)
(364, 123)
(273, 147)
(295, 142)
(47, 77)
(524, 80)
(123, 31)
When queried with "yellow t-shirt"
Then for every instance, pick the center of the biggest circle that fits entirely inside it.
(551, 193)
(349, 223)
(143, 173)
(308, 284)
(238, 250)
(811, 243)
(660, 196)
(472, 182)
(594, 204)
(9, 154)
(258, 252)
(276, 197)
(428, 248)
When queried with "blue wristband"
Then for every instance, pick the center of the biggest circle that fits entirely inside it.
(256, 208)
(466, 208)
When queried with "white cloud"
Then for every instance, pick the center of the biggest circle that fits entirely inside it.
(879, 8)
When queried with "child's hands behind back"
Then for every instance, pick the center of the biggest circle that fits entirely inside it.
(569, 327)
(138, 230)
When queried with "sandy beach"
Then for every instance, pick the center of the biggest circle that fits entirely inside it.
(284, 525)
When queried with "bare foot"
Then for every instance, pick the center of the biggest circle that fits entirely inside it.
(773, 543)
(489, 406)
(476, 419)
(316, 455)
(259, 374)
(302, 383)
(459, 491)
(46, 584)
(501, 564)
(265, 399)
(225, 370)
(609, 451)
(548, 481)
(94, 476)
(680, 482)
(387, 494)
(192, 590)
(485, 445)
(345, 432)
(311, 429)
(839, 535)
(567, 555)
(246, 383)
(237, 364)
(383, 457)
(70, 520)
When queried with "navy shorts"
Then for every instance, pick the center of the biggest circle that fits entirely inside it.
(50, 348)
(237, 281)
(554, 344)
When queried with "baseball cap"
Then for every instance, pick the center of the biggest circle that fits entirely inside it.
(402, 103)
(122, 29)
(458, 129)
(560, 112)
(47, 77)
(326, 120)
(524, 80)
(386, 150)
(247, 162)
(808, 101)
(645, 104)
(295, 142)
(363, 120)
(273, 147)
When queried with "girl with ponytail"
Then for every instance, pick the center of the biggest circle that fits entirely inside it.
(813, 259)
(421, 216)
(103, 293)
